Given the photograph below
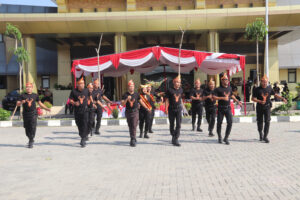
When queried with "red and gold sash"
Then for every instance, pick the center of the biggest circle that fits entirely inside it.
(152, 97)
(146, 102)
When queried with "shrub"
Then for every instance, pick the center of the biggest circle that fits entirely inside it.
(4, 114)
(284, 107)
(115, 113)
(157, 105)
(188, 106)
(48, 104)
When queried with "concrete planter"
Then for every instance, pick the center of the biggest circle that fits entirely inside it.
(60, 97)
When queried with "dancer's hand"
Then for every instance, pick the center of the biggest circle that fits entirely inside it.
(262, 102)
(240, 103)
(284, 100)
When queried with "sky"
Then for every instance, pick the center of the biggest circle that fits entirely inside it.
(44, 3)
(287, 2)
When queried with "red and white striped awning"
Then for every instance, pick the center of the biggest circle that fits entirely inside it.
(147, 59)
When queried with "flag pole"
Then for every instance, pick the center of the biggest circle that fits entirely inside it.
(267, 39)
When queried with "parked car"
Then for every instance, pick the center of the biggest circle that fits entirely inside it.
(10, 100)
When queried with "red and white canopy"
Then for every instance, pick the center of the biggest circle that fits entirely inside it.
(147, 59)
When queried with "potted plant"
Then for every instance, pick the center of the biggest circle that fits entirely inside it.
(188, 107)
(4, 114)
(115, 113)
(298, 97)
(48, 105)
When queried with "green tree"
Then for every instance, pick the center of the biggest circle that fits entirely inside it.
(19, 51)
(256, 31)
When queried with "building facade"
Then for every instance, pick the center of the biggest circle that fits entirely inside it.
(54, 36)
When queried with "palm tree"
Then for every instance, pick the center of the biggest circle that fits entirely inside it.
(256, 31)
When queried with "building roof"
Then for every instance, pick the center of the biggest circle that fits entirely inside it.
(42, 3)
(281, 17)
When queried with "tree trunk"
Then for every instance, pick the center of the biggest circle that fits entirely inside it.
(257, 63)
(20, 85)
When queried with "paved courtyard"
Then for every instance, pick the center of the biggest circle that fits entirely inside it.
(57, 168)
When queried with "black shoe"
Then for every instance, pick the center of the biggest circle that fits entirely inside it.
(173, 140)
(150, 131)
(91, 133)
(266, 140)
(210, 134)
(86, 138)
(260, 137)
(193, 127)
(133, 142)
(176, 143)
(97, 133)
(220, 140)
(82, 142)
(146, 136)
(199, 129)
(30, 143)
(226, 141)
(141, 135)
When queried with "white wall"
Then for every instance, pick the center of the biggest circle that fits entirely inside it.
(288, 50)
(287, 2)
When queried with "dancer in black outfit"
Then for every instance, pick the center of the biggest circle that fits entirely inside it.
(261, 95)
(210, 106)
(197, 105)
(79, 98)
(223, 94)
(174, 109)
(28, 100)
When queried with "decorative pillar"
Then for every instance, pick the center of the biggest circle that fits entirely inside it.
(30, 68)
(64, 76)
(214, 46)
(201, 45)
(273, 61)
(131, 5)
(120, 46)
(200, 4)
(62, 6)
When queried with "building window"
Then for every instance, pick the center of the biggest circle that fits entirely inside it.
(45, 81)
(1, 38)
(3, 82)
(292, 76)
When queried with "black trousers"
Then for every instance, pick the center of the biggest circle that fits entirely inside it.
(197, 110)
(263, 114)
(81, 120)
(69, 107)
(98, 112)
(210, 112)
(132, 121)
(30, 121)
(151, 119)
(144, 117)
(224, 111)
(175, 114)
(91, 119)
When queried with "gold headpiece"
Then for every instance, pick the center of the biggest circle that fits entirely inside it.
(29, 84)
(80, 81)
(130, 82)
(224, 76)
(211, 81)
(264, 78)
(90, 85)
(177, 78)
